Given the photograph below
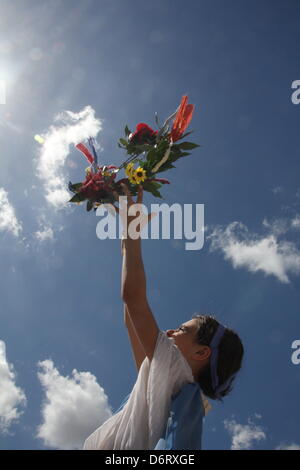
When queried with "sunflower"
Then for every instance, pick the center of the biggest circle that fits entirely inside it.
(132, 178)
(129, 169)
(140, 175)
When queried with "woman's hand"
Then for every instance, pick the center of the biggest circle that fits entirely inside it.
(128, 212)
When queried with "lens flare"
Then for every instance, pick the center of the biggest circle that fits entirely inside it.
(39, 139)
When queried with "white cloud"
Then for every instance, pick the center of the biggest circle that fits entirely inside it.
(295, 223)
(244, 436)
(257, 253)
(277, 189)
(74, 407)
(11, 396)
(45, 234)
(8, 220)
(277, 226)
(292, 446)
(46, 231)
(72, 129)
(282, 225)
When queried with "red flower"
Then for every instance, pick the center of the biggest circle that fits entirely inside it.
(160, 180)
(95, 187)
(143, 134)
(182, 119)
(109, 167)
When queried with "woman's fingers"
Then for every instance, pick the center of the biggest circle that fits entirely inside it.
(123, 208)
(139, 199)
(116, 196)
(122, 203)
(128, 193)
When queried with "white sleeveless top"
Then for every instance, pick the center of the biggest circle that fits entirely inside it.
(140, 423)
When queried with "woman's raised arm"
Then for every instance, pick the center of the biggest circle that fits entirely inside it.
(133, 284)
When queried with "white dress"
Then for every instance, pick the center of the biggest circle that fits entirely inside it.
(140, 423)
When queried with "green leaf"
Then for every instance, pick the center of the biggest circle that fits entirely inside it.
(162, 146)
(133, 149)
(187, 145)
(89, 206)
(143, 148)
(185, 154)
(78, 197)
(75, 187)
(184, 135)
(152, 156)
(123, 142)
(174, 155)
(152, 187)
(166, 166)
(155, 184)
(127, 131)
(156, 193)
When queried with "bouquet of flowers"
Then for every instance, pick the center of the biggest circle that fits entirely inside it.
(152, 151)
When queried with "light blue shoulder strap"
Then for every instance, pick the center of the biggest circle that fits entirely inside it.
(184, 427)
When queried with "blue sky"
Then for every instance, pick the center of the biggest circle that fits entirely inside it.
(76, 67)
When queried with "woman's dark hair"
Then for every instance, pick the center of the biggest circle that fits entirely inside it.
(231, 352)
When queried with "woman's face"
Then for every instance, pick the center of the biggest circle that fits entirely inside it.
(185, 338)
